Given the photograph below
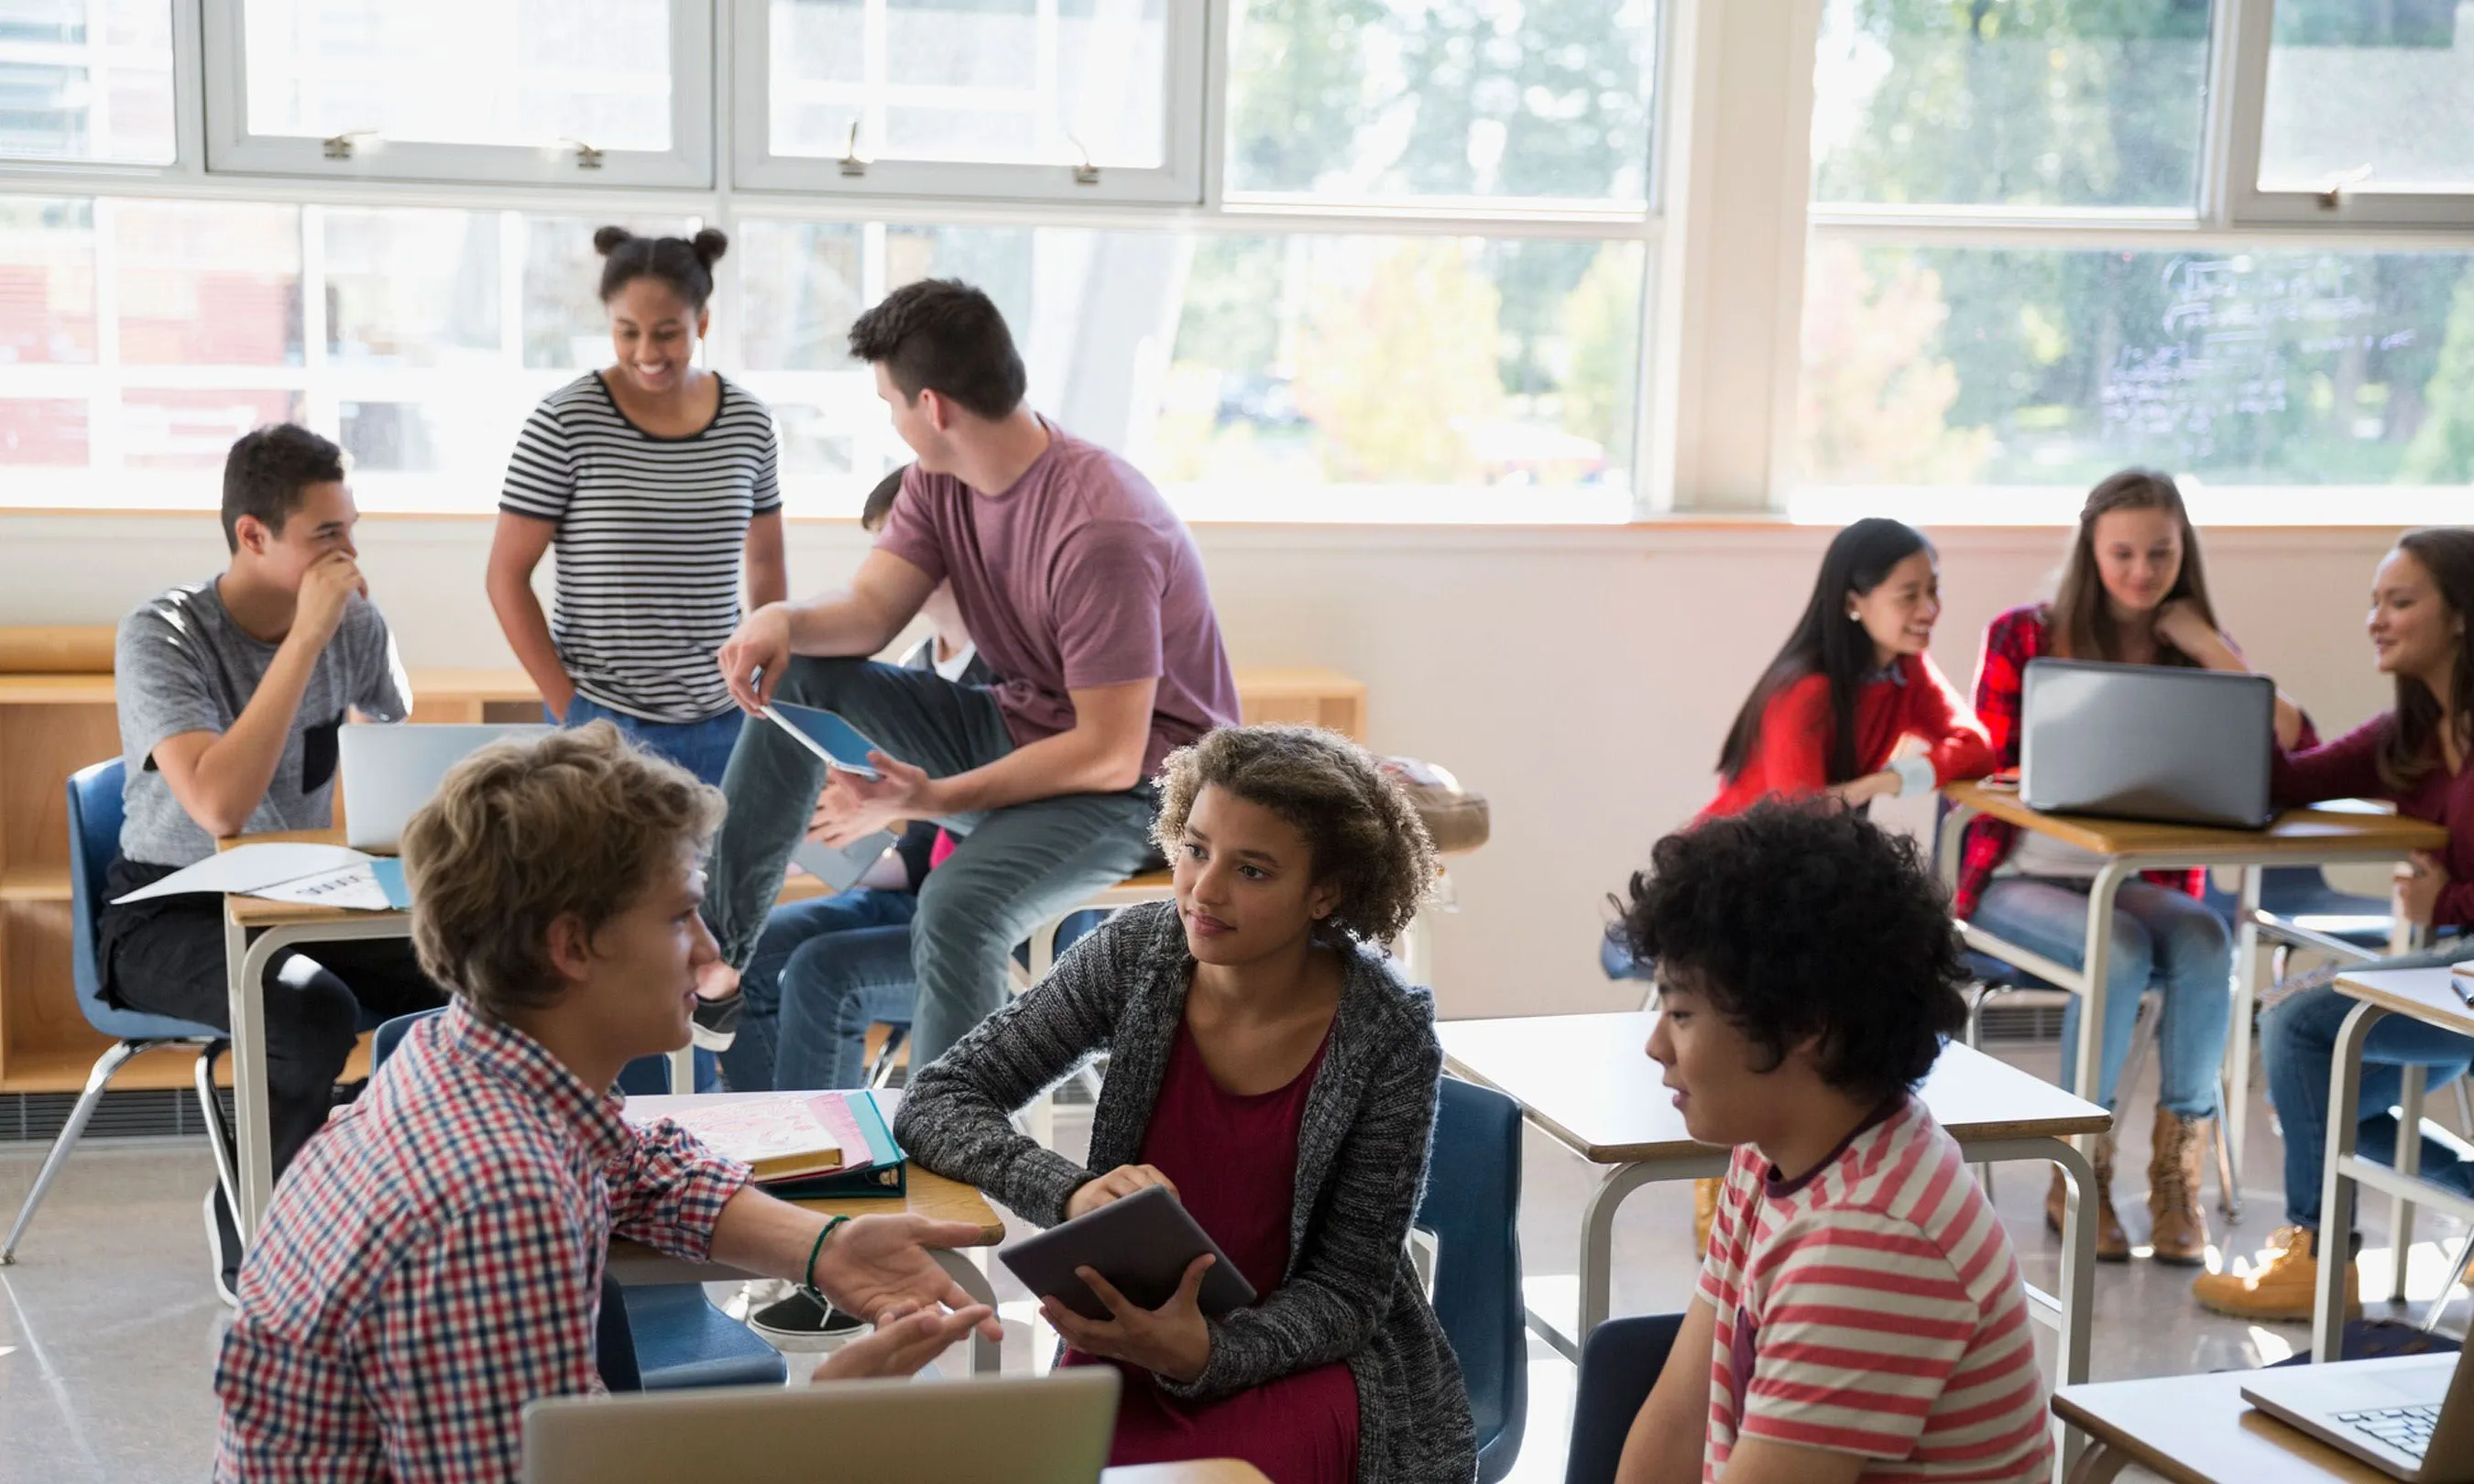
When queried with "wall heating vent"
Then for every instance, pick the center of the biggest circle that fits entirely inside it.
(36, 1118)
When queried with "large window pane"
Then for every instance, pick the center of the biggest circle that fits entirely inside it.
(1010, 82)
(2381, 96)
(37, 431)
(207, 283)
(1251, 378)
(1969, 366)
(46, 282)
(412, 288)
(1374, 99)
(490, 72)
(87, 79)
(2043, 103)
(193, 428)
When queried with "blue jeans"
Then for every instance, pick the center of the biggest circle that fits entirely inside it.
(2298, 1046)
(2160, 936)
(702, 748)
(824, 972)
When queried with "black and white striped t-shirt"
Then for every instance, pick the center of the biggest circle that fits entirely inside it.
(650, 532)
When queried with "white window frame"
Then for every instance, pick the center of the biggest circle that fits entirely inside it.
(688, 163)
(1193, 29)
(2241, 68)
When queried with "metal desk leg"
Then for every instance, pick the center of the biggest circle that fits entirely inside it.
(2336, 1186)
(2098, 1464)
(2078, 1262)
(245, 975)
(987, 1356)
(1597, 1239)
(2236, 1095)
(2098, 962)
(2408, 1161)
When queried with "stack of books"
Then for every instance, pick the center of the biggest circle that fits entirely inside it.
(804, 1147)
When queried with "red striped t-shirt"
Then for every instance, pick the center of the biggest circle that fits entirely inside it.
(1874, 1307)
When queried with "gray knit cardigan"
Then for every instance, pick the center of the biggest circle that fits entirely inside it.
(1349, 1292)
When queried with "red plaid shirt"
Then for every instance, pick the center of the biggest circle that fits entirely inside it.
(433, 1261)
(2010, 641)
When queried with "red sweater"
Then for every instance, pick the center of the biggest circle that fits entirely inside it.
(2349, 768)
(1791, 755)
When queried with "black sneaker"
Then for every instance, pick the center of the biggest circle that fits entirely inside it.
(800, 1323)
(223, 1246)
(716, 1021)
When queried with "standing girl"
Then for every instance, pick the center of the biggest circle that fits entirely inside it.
(2133, 591)
(656, 480)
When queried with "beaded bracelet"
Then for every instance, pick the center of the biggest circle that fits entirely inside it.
(807, 1274)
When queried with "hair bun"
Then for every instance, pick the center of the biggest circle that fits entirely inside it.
(610, 239)
(709, 245)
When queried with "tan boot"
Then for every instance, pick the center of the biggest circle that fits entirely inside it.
(2283, 1286)
(2112, 1243)
(1705, 1210)
(2177, 1225)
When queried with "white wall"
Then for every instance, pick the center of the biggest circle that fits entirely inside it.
(1580, 678)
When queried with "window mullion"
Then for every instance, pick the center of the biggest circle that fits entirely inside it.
(2237, 108)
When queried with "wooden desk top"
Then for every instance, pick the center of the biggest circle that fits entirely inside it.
(2301, 833)
(2198, 1429)
(2423, 993)
(927, 1194)
(1588, 1080)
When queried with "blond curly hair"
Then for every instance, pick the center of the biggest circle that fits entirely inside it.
(528, 830)
(1367, 837)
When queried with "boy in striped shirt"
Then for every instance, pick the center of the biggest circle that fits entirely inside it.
(1859, 1313)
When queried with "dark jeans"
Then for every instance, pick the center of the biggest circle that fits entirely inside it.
(824, 972)
(1014, 868)
(166, 955)
(702, 748)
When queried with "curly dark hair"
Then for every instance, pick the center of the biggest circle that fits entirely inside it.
(684, 263)
(1365, 835)
(1796, 921)
(945, 336)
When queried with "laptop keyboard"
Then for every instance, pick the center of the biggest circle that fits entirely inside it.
(2405, 1428)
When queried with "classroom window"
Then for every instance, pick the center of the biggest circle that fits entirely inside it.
(1479, 100)
(1273, 377)
(2380, 97)
(87, 80)
(2287, 367)
(2036, 103)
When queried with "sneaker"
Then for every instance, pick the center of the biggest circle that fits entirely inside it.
(800, 1323)
(716, 1021)
(223, 1246)
(2284, 1285)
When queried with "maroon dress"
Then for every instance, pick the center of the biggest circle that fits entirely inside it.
(1234, 1162)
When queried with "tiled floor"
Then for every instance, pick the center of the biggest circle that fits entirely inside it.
(108, 1326)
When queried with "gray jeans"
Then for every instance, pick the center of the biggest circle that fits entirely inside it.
(1011, 870)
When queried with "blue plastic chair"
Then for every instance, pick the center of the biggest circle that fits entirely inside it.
(1472, 1209)
(94, 815)
(1618, 1366)
(662, 1337)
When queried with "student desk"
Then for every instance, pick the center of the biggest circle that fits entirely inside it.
(2298, 837)
(2198, 1429)
(924, 1194)
(1586, 1081)
(1201, 1471)
(2424, 994)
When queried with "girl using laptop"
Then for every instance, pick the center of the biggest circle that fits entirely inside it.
(1851, 689)
(2132, 591)
(2414, 756)
(1268, 1064)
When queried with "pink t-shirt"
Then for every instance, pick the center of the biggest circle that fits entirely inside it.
(1078, 576)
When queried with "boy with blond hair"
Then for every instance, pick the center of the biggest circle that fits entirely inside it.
(433, 1261)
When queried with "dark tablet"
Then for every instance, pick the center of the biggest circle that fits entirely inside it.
(1142, 1244)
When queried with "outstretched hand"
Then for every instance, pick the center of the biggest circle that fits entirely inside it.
(878, 1264)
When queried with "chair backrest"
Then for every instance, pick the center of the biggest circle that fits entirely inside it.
(94, 839)
(389, 1034)
(1618, 1366)
(1473, 1207)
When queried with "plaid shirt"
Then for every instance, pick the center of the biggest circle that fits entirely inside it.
(2010, 641)
(433, 1261)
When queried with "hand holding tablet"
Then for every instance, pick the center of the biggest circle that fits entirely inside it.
(1141, 1246)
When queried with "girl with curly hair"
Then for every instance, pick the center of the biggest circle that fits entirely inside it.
(1269, 1066)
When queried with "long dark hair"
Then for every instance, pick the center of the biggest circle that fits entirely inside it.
(2413, 745)
(1827, 642)
(2081, 621)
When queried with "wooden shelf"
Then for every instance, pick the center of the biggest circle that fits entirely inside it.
(55, 690)
(35, 883)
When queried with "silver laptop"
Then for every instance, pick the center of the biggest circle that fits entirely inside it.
(1051, 1429)
(2146, 742)
(2412, 1417)
(390, 771)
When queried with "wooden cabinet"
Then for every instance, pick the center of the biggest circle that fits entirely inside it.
(56, 717)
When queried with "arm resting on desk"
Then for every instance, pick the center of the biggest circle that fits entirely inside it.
(2347, 768)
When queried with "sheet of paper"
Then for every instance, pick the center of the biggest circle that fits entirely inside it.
(354, 888)
(247, 867)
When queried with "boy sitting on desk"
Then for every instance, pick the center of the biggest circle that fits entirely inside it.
(230, 691)
(434, 1260)
(1860, 1314)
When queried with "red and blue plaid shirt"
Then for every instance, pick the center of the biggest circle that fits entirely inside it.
(433, 1261)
